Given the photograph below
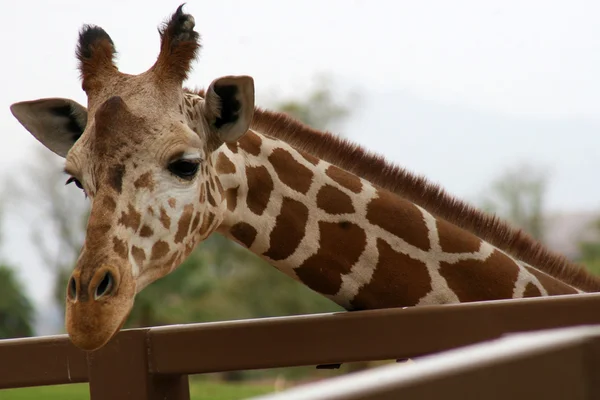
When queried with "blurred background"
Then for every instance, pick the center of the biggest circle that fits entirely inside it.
(497, 101)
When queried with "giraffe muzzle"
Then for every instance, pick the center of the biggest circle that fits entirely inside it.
(97, 309)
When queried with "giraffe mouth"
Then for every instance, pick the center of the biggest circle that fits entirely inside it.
(96, 340)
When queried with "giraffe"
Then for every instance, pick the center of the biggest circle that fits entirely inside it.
(164, 167)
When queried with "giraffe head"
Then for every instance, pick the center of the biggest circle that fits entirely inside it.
(143, 159)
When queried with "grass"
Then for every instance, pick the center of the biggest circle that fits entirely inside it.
(200, 390)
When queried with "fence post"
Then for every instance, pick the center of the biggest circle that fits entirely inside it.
(120, 370)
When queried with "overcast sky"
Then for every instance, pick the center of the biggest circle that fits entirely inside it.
(456, 90)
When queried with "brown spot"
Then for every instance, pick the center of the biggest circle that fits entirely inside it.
(552, 285)
(202, 197)
(144, 181)
(346, 179)
(172, 202)
(98, 226)
(456, 240)
(96, 230)
(290, 171)
(146, 231)
(531, 291)
(211, 199)
(399, 217)
(195, 222)
(398, 281)
(150, 211)
(219, 186)
(260, 186)
(159, 250)
(175, 260)
(340, 248)
(243, 233)
(290, 227)
(250, 143)
(333, 201)
(184, 223)
(120, 248)
(131, 218)
(311, 159)
(206, 223)
(108, 203)
(224, 165)
(231, 196)
(165, 220)
(473, 280)
(233, 147)
(139, 255)
(115, 177)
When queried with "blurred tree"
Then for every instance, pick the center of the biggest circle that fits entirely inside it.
(166, 301)
(60, 213)
(590, 250)
(518, 195)
(16, 310)
(319, 109)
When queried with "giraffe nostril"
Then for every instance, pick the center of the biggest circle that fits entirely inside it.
(105, 285)
(72, 289)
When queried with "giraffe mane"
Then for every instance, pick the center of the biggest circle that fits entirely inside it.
(374, 168)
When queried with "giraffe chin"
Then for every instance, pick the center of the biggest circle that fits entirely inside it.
(90, 337)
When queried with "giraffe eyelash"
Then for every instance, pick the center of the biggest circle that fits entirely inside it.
(184, 168)
(77, 183)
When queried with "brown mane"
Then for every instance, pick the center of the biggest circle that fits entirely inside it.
(375, 169)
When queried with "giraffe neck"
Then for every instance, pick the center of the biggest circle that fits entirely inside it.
(356, 243)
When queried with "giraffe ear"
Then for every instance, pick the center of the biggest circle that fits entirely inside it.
(229, 107)
(56, 123)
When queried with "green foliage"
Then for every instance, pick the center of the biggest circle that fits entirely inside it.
(518, 195)
(199, 390)
(16, 310)
(319, 110)
(590, 251)
(170, 299)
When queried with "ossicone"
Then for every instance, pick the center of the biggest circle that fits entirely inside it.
(95, 52)
(178, 48)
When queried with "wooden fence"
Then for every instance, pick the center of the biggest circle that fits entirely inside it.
(561, 364)
(154, 363)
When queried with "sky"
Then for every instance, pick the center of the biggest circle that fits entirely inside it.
(457, 91)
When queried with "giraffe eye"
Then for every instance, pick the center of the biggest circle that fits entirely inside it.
(185, 169)
(75, 181)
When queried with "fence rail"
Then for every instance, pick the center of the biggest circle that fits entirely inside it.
(551, 365)
(154, 363)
